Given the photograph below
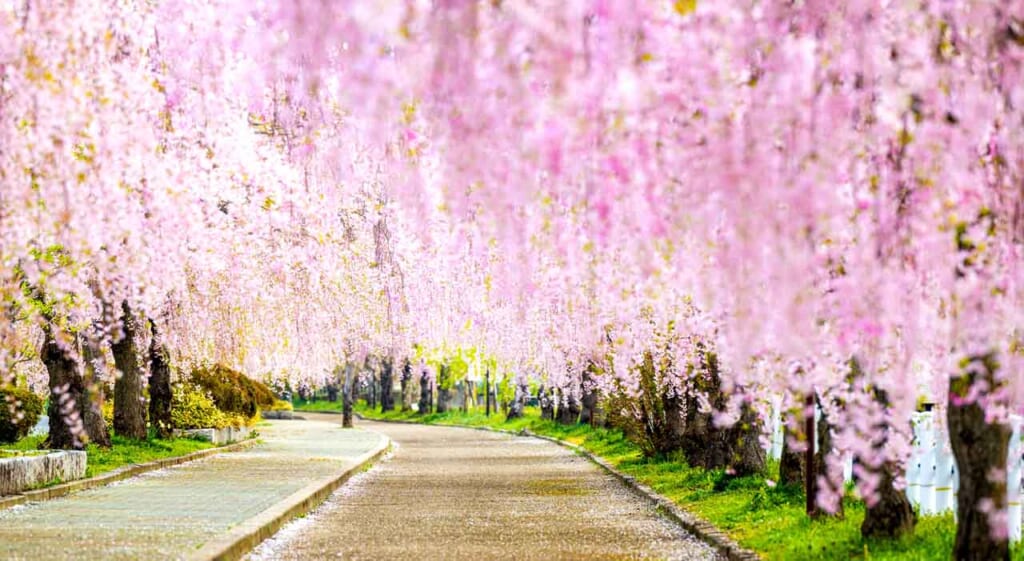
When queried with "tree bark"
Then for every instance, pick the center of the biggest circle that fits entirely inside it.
(372, 389)
(348, 392)
(749, 457)
(568, 408)
(426, 394)
(515, 410)
(824, 471)
(980, 449)
(129, 405)
(710, 447)
(467, 396)
(487, 392)
(387, 398)
(591, 398)
(67, 395)
(547, 406)
(407, 386)
(443, 399)
(159, 386)
(444, 393)
(791, 462)
(891, 515)
(95, 394)
(661, 407)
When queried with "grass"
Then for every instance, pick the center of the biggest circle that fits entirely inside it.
(769, 520)
(316, 406)
(18, 453)
(124, 451)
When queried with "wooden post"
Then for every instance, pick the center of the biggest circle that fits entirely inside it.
(809, 483)
(487, 391)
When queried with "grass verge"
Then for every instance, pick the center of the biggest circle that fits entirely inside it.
(124, 451)
(759, 516)
(316, 406)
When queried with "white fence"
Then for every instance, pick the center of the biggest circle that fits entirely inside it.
(931, 471)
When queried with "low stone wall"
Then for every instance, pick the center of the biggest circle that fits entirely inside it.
(21, 473)
(217, 436)
(277, 415)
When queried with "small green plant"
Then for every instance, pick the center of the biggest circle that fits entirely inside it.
(19, 412)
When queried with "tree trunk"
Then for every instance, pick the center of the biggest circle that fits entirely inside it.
(591, 398)
(674, 421)
(348, 391)
(467, 396)
(980, 449)
(159, 387)
(568, 408)
(825, 469)
(387, 398)
(487, 392)
(67, 394)
(443, 388)
(372, 381)
(426, 404)
(443, 398)
(791, 462)
(749, 457)
(661, 411)
(891, 515)
(129, 405)
(332, 392)
(710, 447)
(95, 424)
(547, 406)
(515, 410)
(407, 386)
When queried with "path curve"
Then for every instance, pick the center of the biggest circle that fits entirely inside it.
(171, 513)
(451, 493)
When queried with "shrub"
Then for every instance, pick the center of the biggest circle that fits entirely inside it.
(193, 408)
(281, 405)
(108, 412)
(232, 391)
(19, 412)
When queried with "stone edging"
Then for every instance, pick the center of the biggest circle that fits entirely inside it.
(118, 474)
(242, 538)
(702, 529)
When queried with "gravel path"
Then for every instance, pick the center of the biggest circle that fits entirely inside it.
(449, 493)
(166, 514)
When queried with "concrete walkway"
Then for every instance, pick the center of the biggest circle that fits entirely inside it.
(449, 493)
(170, 513)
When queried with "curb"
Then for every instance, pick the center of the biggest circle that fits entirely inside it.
(702, 529)
(118, 474)
(248, 534)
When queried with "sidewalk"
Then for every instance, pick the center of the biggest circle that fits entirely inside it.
(170, 513)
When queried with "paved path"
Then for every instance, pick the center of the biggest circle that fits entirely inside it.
(449, 493)
(169, 513)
